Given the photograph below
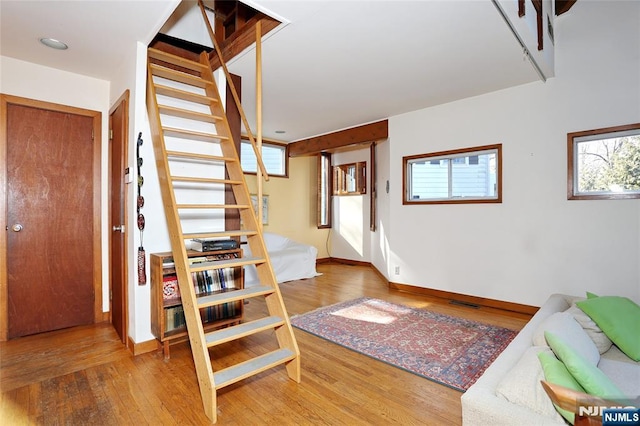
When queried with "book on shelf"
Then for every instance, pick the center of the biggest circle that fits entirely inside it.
(199, 259)
(174, 318)
(230, 278)
(223, 284)
(223, 256)
(174, 315)
(218, 312)
(170, 288)
(214, 280)
(208, 281)
(204, 282)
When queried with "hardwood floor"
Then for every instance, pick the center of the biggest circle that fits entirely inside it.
(84, 376)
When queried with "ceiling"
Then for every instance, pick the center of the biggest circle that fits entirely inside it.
(330, 66)
(100, 34)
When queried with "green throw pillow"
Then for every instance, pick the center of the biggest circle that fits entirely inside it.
(619, 319)
(590, 377)
(555, 372)
(591, 295)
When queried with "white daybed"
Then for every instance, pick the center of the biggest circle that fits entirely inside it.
(290, 260)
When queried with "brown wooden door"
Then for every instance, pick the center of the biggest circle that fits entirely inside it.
(117, 250)
(50, 260)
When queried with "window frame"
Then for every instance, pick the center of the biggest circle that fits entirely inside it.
(324, 180)
(272, 143)
(572, 158)
(449, 155)
(340, 173)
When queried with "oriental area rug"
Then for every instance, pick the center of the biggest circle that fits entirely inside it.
(448, 350)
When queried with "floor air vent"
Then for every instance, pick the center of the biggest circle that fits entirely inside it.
(461, 303)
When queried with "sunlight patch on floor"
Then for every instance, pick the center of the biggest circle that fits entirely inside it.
(370, 311)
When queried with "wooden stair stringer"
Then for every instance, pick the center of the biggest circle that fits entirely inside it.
(198, 347)
(266, 276)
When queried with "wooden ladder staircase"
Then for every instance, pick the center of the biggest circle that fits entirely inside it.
(193, 157)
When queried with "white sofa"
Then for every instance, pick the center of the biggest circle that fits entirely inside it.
(291, 260)
(494, 399)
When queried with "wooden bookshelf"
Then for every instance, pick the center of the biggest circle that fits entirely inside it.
(167, 319)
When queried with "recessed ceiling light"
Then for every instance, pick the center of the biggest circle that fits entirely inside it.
(280, 131)
(53, 43)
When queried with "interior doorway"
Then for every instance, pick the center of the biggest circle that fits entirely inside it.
(51, 277)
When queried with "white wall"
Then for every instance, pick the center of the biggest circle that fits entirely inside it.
(28, 80)
(132, 76)
(294, 217)
(156, 234)
(129, 79)
(350, 235)
(380, 249)
(536, 242)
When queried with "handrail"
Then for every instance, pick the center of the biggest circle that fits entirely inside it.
(234, 93)
(259, 116)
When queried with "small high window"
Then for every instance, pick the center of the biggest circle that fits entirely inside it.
(274, 156)
(350, 179)
(470, 175)
(604, 163)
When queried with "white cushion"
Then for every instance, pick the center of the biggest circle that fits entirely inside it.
(522, 386)
(563, 325)
(602, 342)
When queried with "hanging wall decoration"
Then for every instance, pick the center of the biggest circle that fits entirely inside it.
(142, 274)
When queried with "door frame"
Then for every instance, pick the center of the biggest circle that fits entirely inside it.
(123, 100)
(5, 101)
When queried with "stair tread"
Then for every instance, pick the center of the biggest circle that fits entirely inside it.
(204, 180)
(232, 295)
(252, 367)
(175, 60)
(242, 330)
(184, 95)
(227, 263)
(193, 135)
(212, 206)
(189, 114)
(194, 156)
(220, 234)
(181, 77)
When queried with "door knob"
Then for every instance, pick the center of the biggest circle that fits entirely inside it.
(17, 227)
(119, 228)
